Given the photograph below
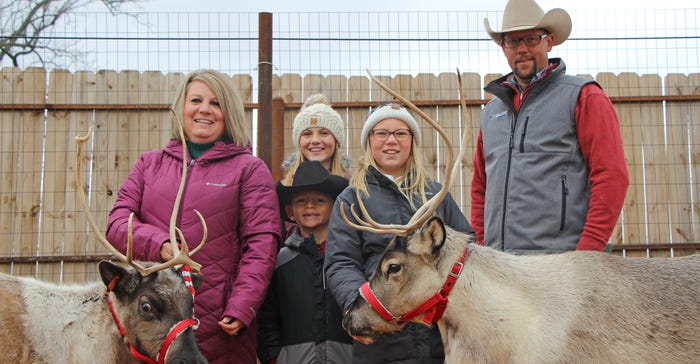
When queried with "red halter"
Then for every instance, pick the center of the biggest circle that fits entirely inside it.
(433, 307)
(174, 332)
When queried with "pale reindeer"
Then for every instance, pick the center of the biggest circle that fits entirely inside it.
(145, 314)
(575, 307)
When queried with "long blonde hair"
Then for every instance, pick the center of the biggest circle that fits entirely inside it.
(413, 182)
(229, 99)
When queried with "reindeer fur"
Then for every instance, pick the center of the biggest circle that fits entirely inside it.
(47, 323)
(585, 307)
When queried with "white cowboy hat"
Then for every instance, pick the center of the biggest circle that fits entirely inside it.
(526, 14)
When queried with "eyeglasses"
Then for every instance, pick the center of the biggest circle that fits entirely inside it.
(529, 40)
(383, 134)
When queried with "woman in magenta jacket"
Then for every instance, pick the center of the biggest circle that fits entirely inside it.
(234, 192)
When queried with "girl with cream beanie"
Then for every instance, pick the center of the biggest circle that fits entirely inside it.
(316, 133)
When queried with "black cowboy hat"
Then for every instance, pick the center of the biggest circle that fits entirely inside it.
(309, 176)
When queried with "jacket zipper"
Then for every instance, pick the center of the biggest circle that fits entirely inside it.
(564, 194)
(511, 144)
(522, 136)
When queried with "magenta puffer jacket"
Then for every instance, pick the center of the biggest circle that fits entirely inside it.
(234, 192)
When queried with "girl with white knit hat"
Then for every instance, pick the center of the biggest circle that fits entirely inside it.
(316, 133)
(391, 181)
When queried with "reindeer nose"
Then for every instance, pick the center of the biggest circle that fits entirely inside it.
(347, 323)
(353, 325)
(358, 331)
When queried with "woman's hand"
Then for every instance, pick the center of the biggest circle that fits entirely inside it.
(166, 251)
(231, 326)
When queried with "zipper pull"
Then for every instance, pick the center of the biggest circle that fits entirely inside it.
(192, 163)
(565, 184)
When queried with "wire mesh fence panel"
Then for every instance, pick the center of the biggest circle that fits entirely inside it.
(119, 74)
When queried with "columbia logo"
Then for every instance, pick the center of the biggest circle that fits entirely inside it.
(499, 115)
(215, 184)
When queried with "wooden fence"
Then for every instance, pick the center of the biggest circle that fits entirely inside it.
(43, 232)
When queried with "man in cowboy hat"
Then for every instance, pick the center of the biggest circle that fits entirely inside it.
(549, 168)
(300, 321)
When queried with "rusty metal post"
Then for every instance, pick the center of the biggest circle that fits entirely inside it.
(265, 88)
(277, 137)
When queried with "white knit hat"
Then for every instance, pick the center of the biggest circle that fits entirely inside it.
(317, 113)
(389, 111)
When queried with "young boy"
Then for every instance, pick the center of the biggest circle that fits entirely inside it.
(300, 321)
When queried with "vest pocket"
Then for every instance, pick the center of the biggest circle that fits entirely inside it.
(564, 194)
(522, 136)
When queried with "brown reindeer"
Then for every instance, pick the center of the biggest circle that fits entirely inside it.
(146, 314)
(575, 307)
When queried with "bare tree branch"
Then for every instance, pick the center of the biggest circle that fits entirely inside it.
(23, 23)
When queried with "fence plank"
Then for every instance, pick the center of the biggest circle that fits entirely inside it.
(28, 87)
(101, 166)
(291, 91)
(447, 88)
(358, 90)
(314, 84)
(57, 166)
(78, 236)
(245, 89)
(633, 214)
(424, 87)
(469, 119)
(9, 154)
(654, 155)
(683, 158)
(337, 91)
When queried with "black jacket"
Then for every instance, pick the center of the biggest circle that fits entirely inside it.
(300, 322)
(352, 256)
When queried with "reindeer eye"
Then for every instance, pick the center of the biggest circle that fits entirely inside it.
(393, 268)
(146, 307)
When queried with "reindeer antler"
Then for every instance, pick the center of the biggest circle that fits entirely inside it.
(424, 212)
(181, 256)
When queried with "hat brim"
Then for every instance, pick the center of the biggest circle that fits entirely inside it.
(332, 186)
(556, 21)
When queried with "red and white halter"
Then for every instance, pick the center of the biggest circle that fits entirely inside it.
(175, 331)
(433, 307)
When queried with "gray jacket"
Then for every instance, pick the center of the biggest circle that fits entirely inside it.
(534, 166)
(349, 250)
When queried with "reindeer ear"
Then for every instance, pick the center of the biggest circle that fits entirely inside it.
(430, 238)
(127, 277)
(434, 231)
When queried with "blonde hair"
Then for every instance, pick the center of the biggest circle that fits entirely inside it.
(337, 166)
(229, 99)
(411, 184)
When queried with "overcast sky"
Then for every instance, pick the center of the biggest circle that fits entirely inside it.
(390, 5)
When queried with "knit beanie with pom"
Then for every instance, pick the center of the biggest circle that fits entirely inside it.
(389, 111)
(317, 113)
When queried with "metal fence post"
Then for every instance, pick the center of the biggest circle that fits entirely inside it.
(265, 88)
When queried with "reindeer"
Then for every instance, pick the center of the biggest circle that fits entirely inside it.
(587, 307)
(146, 313)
